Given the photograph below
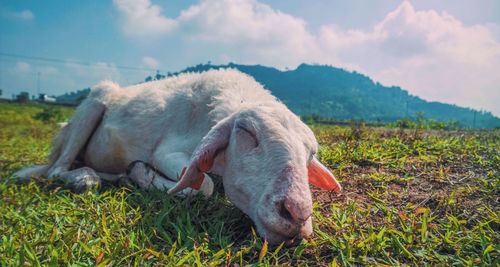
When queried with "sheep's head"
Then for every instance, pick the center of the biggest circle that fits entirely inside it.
(268, 162)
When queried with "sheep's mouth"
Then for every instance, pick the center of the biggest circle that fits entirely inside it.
(279, 233)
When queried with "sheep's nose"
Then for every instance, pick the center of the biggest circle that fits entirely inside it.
(297, 209)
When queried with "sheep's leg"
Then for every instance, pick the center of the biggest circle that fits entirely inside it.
(79, 179)
(112, 178)
(84, 178)
(171, 166)
(146, 177)
(27, 173)
(79, 130)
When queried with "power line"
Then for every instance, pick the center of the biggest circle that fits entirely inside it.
(63, 61)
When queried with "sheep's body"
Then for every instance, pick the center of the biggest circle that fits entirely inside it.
(166, 116)
(219, 121)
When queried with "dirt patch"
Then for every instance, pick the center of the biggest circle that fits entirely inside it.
(455, 189)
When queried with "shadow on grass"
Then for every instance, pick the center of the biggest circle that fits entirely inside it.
(149, 221)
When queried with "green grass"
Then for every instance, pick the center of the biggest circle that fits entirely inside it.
(410, 198)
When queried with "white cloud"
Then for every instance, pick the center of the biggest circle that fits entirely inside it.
(433, 55)
(150, 62)
(253, 29)
(141, 18)
(24, 15)
(49, 71)
(22, 67)
(91, 75)
(27, 68)
(104, 71)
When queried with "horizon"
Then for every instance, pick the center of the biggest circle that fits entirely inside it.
(420, 46)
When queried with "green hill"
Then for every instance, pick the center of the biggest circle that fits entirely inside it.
(342, 95)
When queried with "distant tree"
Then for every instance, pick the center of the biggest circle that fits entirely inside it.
(1, 92)
(453, 125)
(309, 119)
(159, 76)
(148, 79)
(49, 114)
(80, 99)
(23, 97)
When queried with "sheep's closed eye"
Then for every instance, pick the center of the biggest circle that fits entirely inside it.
(247, 137)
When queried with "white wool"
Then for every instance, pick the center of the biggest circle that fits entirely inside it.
(225, 91)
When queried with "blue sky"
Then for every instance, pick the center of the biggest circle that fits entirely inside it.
(444, 50)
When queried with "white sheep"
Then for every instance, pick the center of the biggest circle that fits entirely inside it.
(219, 121)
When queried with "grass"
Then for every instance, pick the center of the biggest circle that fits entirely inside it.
(410, 198)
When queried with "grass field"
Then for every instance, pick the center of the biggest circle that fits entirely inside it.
(410, 198)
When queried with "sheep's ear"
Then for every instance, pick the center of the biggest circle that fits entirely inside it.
(322, 177)
(204, 155)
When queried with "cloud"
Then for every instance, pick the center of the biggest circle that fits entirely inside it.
(246, 28)
(436, 56)
(431, 54)
(22, 67)
(150, 62)
(90, 75)
(254, 30)
(24, 15)
(142, 19)
(49, 71)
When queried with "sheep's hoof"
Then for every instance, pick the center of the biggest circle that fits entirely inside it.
(139, 173)
(84, 181)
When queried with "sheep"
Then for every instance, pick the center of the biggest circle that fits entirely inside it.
(169, 134)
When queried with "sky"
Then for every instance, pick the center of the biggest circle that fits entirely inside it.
(447, 50)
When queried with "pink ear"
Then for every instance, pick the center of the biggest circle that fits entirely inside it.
(196, 183)
(204, 155)
(321, 177)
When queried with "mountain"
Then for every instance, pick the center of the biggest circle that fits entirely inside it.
(73, 98)
(338, 94)
(343, 95)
